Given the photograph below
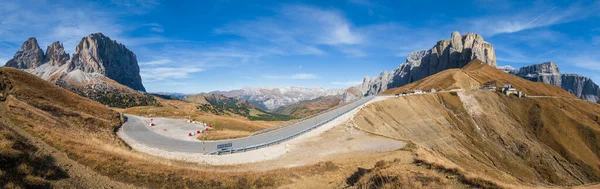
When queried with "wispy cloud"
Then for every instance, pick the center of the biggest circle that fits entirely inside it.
(167, 73)
(156, 62)
(596, 40)
(586, 62)
(532, 18)
(299, 76)
(346, 83)
(297, 30)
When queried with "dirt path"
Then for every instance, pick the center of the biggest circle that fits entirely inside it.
(80, 176)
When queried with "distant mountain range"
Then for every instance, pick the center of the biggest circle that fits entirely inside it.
(100, 69)
(548, 72)
(275, 97)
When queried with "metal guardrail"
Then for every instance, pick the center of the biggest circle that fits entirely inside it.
(262, 145)
(295, 121)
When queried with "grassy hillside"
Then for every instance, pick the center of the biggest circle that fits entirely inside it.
(310, 107)
(486, 135)
(21, 166)
(221, 105)
(85, 131)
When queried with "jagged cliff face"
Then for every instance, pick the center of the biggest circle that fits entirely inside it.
(29, 56)
(549, 73)
(581, 87)
(446, 54)
(101, 69)
(56, 55)
(97, 53)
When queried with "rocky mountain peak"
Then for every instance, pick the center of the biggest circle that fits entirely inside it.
(546, 72)
(581, 86)
(29, 56)
(56, 55)
(549, 73)
(97, 53)
(456, 52)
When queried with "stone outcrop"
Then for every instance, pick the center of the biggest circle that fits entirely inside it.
(549, 73)
(581, 87)
(29, 56)
(56, 55)
(97, 53)
(100, 69)
(446, 54)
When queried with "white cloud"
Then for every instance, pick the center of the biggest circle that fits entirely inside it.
(530, 19)
(156, 62)
(596, 40)
(298, 76)
(166, 73)
(346, 83)
(588, 63)
(296, 30)
(304, 76)
(353, 52)
(3, 61)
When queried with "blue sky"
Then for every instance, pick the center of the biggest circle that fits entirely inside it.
(201, 46)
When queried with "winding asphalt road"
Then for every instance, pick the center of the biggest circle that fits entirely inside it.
(137, 130)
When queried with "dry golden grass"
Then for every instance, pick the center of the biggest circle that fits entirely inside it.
(224, 134)
(181, 110)
(511, 141)
(85, 131)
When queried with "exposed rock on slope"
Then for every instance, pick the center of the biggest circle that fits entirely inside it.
(273, 98)
(97, 53)
(29, 56)
(581, 87)
(56, 55)
(100, 69)
(454, 53)
(548, 72)
(545, 72)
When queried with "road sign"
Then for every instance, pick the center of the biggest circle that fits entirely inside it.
(226, 145)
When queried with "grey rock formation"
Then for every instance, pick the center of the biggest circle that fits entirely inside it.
(547, 72)
(56, 55)
(581, 87)
(446, 54)
(97, 53)
(29, 56)
(101, 69)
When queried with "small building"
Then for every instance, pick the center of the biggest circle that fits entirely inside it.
(418, 92)
(508, 89)
(433, 90)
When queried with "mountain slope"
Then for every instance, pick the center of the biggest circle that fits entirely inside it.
(100, 69)
(221, 105)
(272, 98)
(311, 107)
(485, 134)
(446, 54)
